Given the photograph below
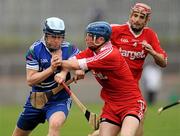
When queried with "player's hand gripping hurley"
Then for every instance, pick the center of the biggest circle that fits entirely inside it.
(39, 99)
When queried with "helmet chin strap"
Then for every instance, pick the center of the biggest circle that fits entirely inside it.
(98, 45)
(94, 41)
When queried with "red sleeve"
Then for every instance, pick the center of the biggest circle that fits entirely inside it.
(156, 44)
(108, 59)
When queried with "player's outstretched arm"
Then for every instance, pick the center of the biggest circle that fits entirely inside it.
(70, 64)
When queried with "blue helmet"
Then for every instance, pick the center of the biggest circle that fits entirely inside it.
(54, 26)
(100, 28)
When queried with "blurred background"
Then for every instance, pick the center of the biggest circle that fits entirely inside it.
(21, 24)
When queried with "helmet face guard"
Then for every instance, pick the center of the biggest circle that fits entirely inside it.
(54, 26)
(141, 8)
(99, 29)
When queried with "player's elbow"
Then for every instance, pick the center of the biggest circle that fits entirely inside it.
(163, 64)
(29, 82)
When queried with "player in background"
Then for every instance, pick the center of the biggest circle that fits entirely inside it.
(151, 82)
(135, 41)
(124, 105)
(42, 63)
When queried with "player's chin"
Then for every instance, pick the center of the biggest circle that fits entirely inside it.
(137, 28)
(92, 48)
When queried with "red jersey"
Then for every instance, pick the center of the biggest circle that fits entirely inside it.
(130, 46)
(112, 72)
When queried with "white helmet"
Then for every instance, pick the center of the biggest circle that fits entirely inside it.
(54, 26)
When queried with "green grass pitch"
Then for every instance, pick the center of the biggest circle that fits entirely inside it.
(166, 124)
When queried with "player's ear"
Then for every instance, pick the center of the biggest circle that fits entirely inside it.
(147, 20)
(101, 38)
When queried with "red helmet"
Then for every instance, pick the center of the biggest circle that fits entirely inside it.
(141, 8)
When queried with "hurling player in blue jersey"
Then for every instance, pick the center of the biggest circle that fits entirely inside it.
(42, 63)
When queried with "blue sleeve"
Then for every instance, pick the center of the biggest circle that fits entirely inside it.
(31, 59)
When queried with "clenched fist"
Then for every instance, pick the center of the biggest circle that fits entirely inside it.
(148, 48)
(56, 60)
(60, 77)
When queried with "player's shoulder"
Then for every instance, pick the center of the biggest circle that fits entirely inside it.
(36, 45)
(67, 44)
(119, 26)
(111, 50)
(149, 30)
(69, 48)
(112, 54)
(35, 48)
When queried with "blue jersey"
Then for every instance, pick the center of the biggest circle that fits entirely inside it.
(38, 58)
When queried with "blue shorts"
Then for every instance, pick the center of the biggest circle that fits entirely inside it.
(31, 117)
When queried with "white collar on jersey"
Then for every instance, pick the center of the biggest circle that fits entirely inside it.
(135, 35)
(106, 46)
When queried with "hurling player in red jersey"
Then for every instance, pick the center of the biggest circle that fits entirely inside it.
(135, 41)
(124, 105)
